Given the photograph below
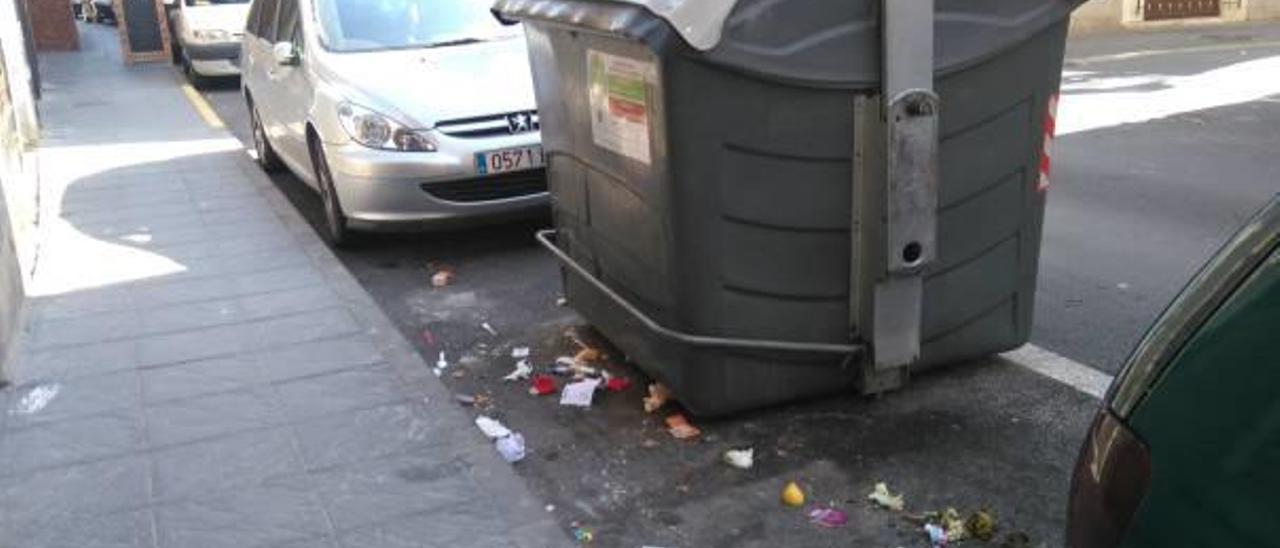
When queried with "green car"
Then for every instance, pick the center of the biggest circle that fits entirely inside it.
(1186, 449)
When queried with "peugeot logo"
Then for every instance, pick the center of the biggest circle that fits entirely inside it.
(519, 122)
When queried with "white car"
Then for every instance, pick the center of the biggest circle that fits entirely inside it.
(207, 35)
(401, 113)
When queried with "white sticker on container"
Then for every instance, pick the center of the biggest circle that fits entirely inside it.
(620, 109)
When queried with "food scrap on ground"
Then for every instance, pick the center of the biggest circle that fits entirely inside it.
(831, 518)
(441, 365)
(981, 525)
(658, 397)
(792, 495)
(937, 535)
(465, 399)
(442, 277)
(881, 496)
(742, 459)
(680, 428)
(521, 372)
(587, 355)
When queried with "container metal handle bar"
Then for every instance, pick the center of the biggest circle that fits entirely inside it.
(851, 350)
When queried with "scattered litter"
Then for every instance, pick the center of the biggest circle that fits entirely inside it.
(587, 355)
(521, 372)
(579, 394)
(680, 428)
(658, 396)
(492, 428)
(649, 444)
(617, 384)
(520, 352)
(427, 338)
(565, 361)
(441, 278)
(831, 518)
(550, 508)
(441, 364)
(884, 499)
(465, 399)
(1016, 539)
(981, 525)
(562, 370)
(953, 524)
(741, 459)
(792, 495)
(562, 301)
(36, 398)
(511, 447)
(542, 385)
(937, 535)
(488, 328)
(581, 534)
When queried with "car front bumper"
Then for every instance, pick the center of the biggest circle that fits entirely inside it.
(379, 187)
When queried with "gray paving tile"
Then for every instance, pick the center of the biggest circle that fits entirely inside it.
(81, 396)
(371, 491)
(230, 462)
(466, 525)
(55, 443)
(116, 530)
(199, 378)
(88, 328)
(542, 534)
(187, 316)
(67, 362)
(288, 301)
(75, 304)
(370, 433)
(316, 357)
(205, 342)
(341, 390)
(278, 279)
(260, 516)
(208, 416)
(64, 492)
(182, 291)
(326, 541)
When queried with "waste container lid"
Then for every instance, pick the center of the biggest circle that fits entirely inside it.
(699, 22)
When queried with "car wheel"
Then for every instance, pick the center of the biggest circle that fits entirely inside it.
(335, 221)
(268, 160)
(194, 77)
(177, 52)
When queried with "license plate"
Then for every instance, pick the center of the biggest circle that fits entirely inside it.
(508, 159)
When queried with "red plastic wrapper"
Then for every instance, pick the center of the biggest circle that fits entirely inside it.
(541, 385)
(617, 384)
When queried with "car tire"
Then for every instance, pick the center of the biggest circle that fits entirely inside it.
(335, 221)
(178, 57)
(197, 81)
(268, 160)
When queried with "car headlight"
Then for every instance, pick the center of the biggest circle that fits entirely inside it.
(377, 131)
(211, 35)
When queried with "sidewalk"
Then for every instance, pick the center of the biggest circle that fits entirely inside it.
(196, 368)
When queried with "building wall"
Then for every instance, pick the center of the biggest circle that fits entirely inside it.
(11, 279)
(1104, 15)
(19, 193)
(53, 25)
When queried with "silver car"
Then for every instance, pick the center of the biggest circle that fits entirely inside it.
(399, 112)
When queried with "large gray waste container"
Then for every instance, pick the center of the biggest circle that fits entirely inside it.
(718, 168)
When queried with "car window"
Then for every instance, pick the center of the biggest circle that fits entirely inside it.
(287, 21)
(267, 21)
(366, 25)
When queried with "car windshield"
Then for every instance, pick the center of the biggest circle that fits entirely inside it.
(214, 2)
(367, 25)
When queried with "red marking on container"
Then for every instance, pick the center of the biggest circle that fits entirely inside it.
(1050, 123)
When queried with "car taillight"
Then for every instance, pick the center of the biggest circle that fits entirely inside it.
(1108, 484)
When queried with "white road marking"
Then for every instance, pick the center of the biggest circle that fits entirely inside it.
(1062, 369)
(1241, 46)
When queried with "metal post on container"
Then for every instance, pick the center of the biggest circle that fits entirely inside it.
(907, 203)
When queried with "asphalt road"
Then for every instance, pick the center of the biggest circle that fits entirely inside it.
(1134, 208)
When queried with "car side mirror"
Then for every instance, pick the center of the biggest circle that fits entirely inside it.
(285, 54)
